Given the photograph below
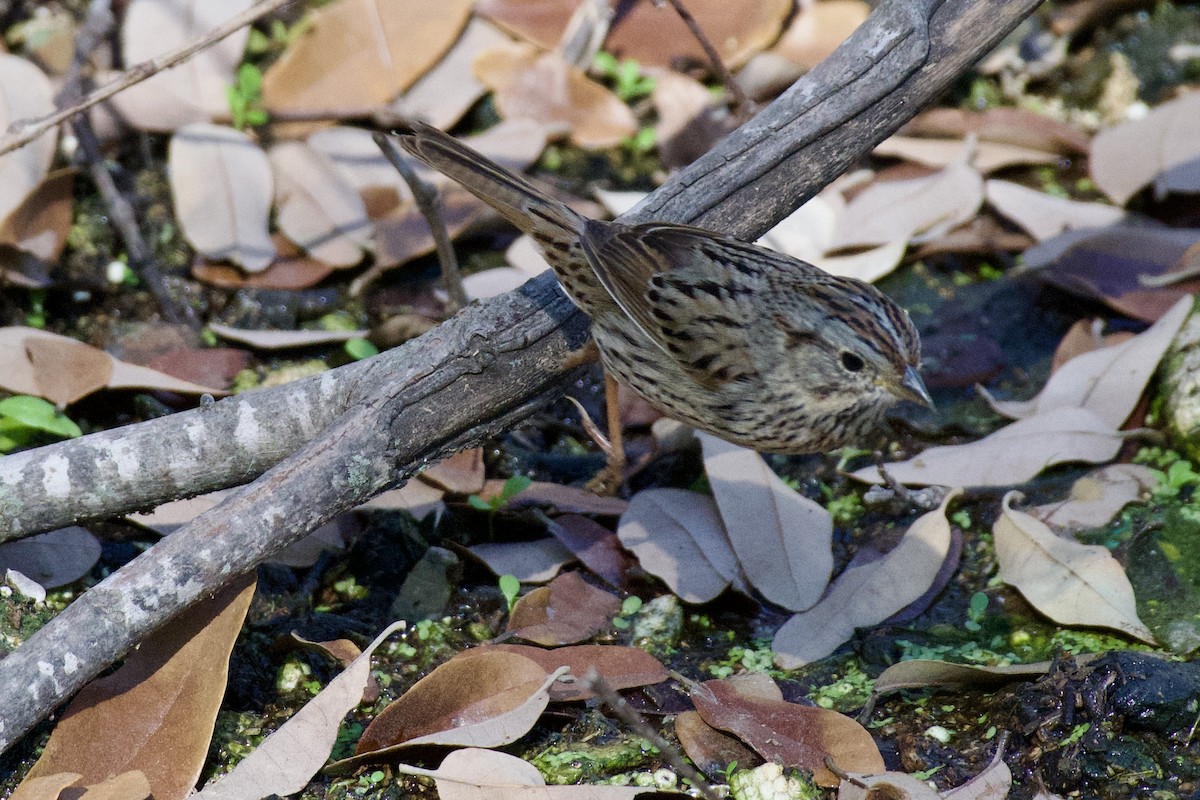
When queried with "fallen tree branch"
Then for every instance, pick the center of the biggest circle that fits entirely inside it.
(466, 379)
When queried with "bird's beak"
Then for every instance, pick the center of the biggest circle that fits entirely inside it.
(911, 387)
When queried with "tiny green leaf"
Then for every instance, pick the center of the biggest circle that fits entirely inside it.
(510, 587)
(359, 349)
(36, 414)
(513, 487)
(478, 503)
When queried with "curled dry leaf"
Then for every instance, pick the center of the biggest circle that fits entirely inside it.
(359, 160)
(596, 547)
(993, 783)
(1044, 215)
(1011, 455)
(282, 340)
(789, 734)
(678, 537)
(195, 90)
(289, 758)
(529, 84)
(987, 157)
(52, 559)
(1097, 497)
(1108, 382)
(25, 93)
(39, 225)
(868, 594)
(461, 473)
(913, 210)
(1162, 146)
(890, 785)
(222, 188)
(621, 667)
(1015, 126)
(318, 209)
(1071, 583)
(362, 53)
(710, 750)
(568, 610)
(1084, 337)
(783, 540)
(416, 497)
(923, 673)
(164, 701)
(474, 774)
(529, 562)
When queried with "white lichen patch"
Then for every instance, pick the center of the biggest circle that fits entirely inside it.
(248, 431)
(70, 663)
(56, 479)
(125, 458)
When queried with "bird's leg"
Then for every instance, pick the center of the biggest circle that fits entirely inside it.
(587, 354)
(609, 479)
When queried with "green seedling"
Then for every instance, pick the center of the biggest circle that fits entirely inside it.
(245, 98)
(510, 587)
(23, 418)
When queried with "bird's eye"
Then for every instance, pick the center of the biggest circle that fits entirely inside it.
(851, 361)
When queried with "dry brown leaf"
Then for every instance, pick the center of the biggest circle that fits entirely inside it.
(447, 91)
(196, 89)
(911, 210)
(677, 536)
(817, 29)
(474, 774)
(417, 498)
(1084, 337)
(1163, 147)
(868, 594)
(596, 547)
(1011, 455)
(163, 700)
(567, 611)
(994, 783)
(1071, 583)
(529, 562)
(1108, 382)
(52, 559)
(621, 667)
(543, 87)
(690, 121)
(362, 53)
(282, 340)
(48, 787)
(783, 540)
(1044, 215)
(1097, 497)
(1015, 126)
(986, 157)
(492, 282)
(924, 673)
(317, 208)
(789, 734)
(291, 269)
(710, 750)
(39, 225)
(886, 785)
(461, 473)
(571, 499)
(25, 93)
(289, 758)
(488, 700)
(222, 189)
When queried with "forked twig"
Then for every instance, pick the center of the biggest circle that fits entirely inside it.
(743, 106)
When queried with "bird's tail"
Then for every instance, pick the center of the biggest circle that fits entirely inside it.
(533, 211)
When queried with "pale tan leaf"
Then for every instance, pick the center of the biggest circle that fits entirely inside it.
(987, 157)
(889, 785)
(529, 84)
(1072, 583)
(492, 282)
(474, 774)
(316, 207)
(461, 473)
(47, 787)
(25, 93)
(783, 540)
(817, 29)
(282, 340)
(529, 562)
(1126, 157)
(678, 537)
(65, 370)
(1043, 215)
(362, 53)
(994, 783)
(524, 255)
(416, 497)
(41, 223)
(447, 91)
(911, 210)
(868, 594)
(289, 758)
(193, 91)
(1108, 382)
(1097, 497)
(1011, 455)
(920, 673)
(222, 188)
(163, 699)
(52, 559)
(359, 160)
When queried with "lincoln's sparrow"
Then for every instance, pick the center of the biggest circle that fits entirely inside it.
(758, 348)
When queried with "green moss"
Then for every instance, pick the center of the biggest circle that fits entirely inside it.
(589, 763)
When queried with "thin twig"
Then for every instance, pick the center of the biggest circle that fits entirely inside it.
(618, 706)
(426, 196)
(743, 106)
(585, 33)
(91, 35)
(24, 131)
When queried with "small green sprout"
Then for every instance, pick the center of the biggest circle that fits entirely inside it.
(22, 418)
(245, 98)
(630, 606)
(358, 349)
(510, 587)
(979, 604)
(626, 76)
(512, 487)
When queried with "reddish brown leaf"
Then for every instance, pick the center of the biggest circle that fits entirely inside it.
(563, 498)
(40, 224)
(66, 370)
(596, 546)
(291, 269)
(790, 734)
(212, 366)
(710, 750)
(461, 473)
(569, 610)
(621, 667)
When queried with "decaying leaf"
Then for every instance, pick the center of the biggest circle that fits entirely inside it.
(782, 539)
(283, 340)
(474, 774)
(52, 559)
(529, 562)
(1011, 455)
(1098, 496)
(708, 748)
(920, 673)
(987, 157)
(566, 611)
(678, 536)
(222, 188)
(868, 594)
(1044, 215)
(25, 93)
(39, 225)
(889, 785)
(1072, 583)
(163, 700)
(317, 208)
(817, 29)
(621, 667)
(596, 547)
(288, 759)
(461, 473)
(1162, 146)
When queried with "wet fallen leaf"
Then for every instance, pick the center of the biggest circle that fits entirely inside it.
(867, 594)
(567, 611)
(317, 208)
(1071, 583)
(787, 733)
(222, 189)
(677, 536)
(783, 540)
(282, 340)
(163, 700)
(52, 559)
(361, 53)
(288, 759)
(25, 93)
(1162, 146)
(543, 87)
(1011, 455)
(621, 667)
(1108, 382)
(474, 774)
(596, 547)
(1044, 215)
(710, 750)
(416, 497)
(529, 562)
(1098, 496)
